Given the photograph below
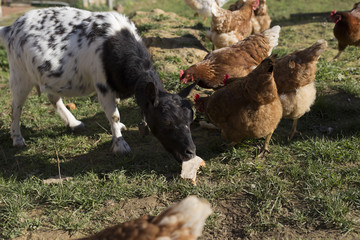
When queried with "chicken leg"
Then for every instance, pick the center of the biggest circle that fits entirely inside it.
(265, 148)
(293, 130)
(337, 55)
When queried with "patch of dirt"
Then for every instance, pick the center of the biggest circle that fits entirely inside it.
(14, 9)
(232, 217)
(171, 37)
(44, 235)
(119, 212)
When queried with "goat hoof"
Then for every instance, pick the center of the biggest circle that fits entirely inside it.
(19, 142)
(78, 128)
(120, 146)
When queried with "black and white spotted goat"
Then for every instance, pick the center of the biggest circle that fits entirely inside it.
(71, 52)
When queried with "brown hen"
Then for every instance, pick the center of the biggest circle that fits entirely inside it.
(247, 107)
(236, 61)
(294, 76)
(347, 28)
(260, 20)
(227, 27)
(183, 221)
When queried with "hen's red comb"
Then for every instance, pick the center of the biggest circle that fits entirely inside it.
(226, 77)
(196, 98)
(333, 12)
(181, 73)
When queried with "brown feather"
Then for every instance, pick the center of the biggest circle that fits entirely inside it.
(248, 107)
(236, 61)
(229, 27)
(298, 68)
(260, 20)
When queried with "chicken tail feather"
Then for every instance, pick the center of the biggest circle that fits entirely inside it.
(311, 53)
(272, 35)
(317, 48)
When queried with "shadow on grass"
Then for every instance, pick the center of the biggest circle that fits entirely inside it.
(148, 155)
(302, 18)
(185, 41)
(332, 116)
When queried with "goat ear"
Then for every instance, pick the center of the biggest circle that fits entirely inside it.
(186, 91)
(152, 94)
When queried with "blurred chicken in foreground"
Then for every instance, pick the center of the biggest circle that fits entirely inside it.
(347, 28)
(236, 61)
(247, 107)
(184, 220)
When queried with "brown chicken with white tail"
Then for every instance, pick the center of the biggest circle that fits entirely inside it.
(236, 61)
(247, 107)
(227, 27)
(294, 76)
(183, 221)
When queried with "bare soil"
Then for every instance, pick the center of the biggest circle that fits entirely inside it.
(14, 9)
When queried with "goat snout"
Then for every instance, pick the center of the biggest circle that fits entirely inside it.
(190, 152)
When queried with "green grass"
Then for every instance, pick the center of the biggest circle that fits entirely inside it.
(308, 185)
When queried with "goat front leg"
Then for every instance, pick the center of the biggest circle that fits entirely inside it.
(65, 114)
(108, 104)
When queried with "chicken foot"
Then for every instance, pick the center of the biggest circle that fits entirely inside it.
(265, 148)
(337, 55)
(293, 130)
